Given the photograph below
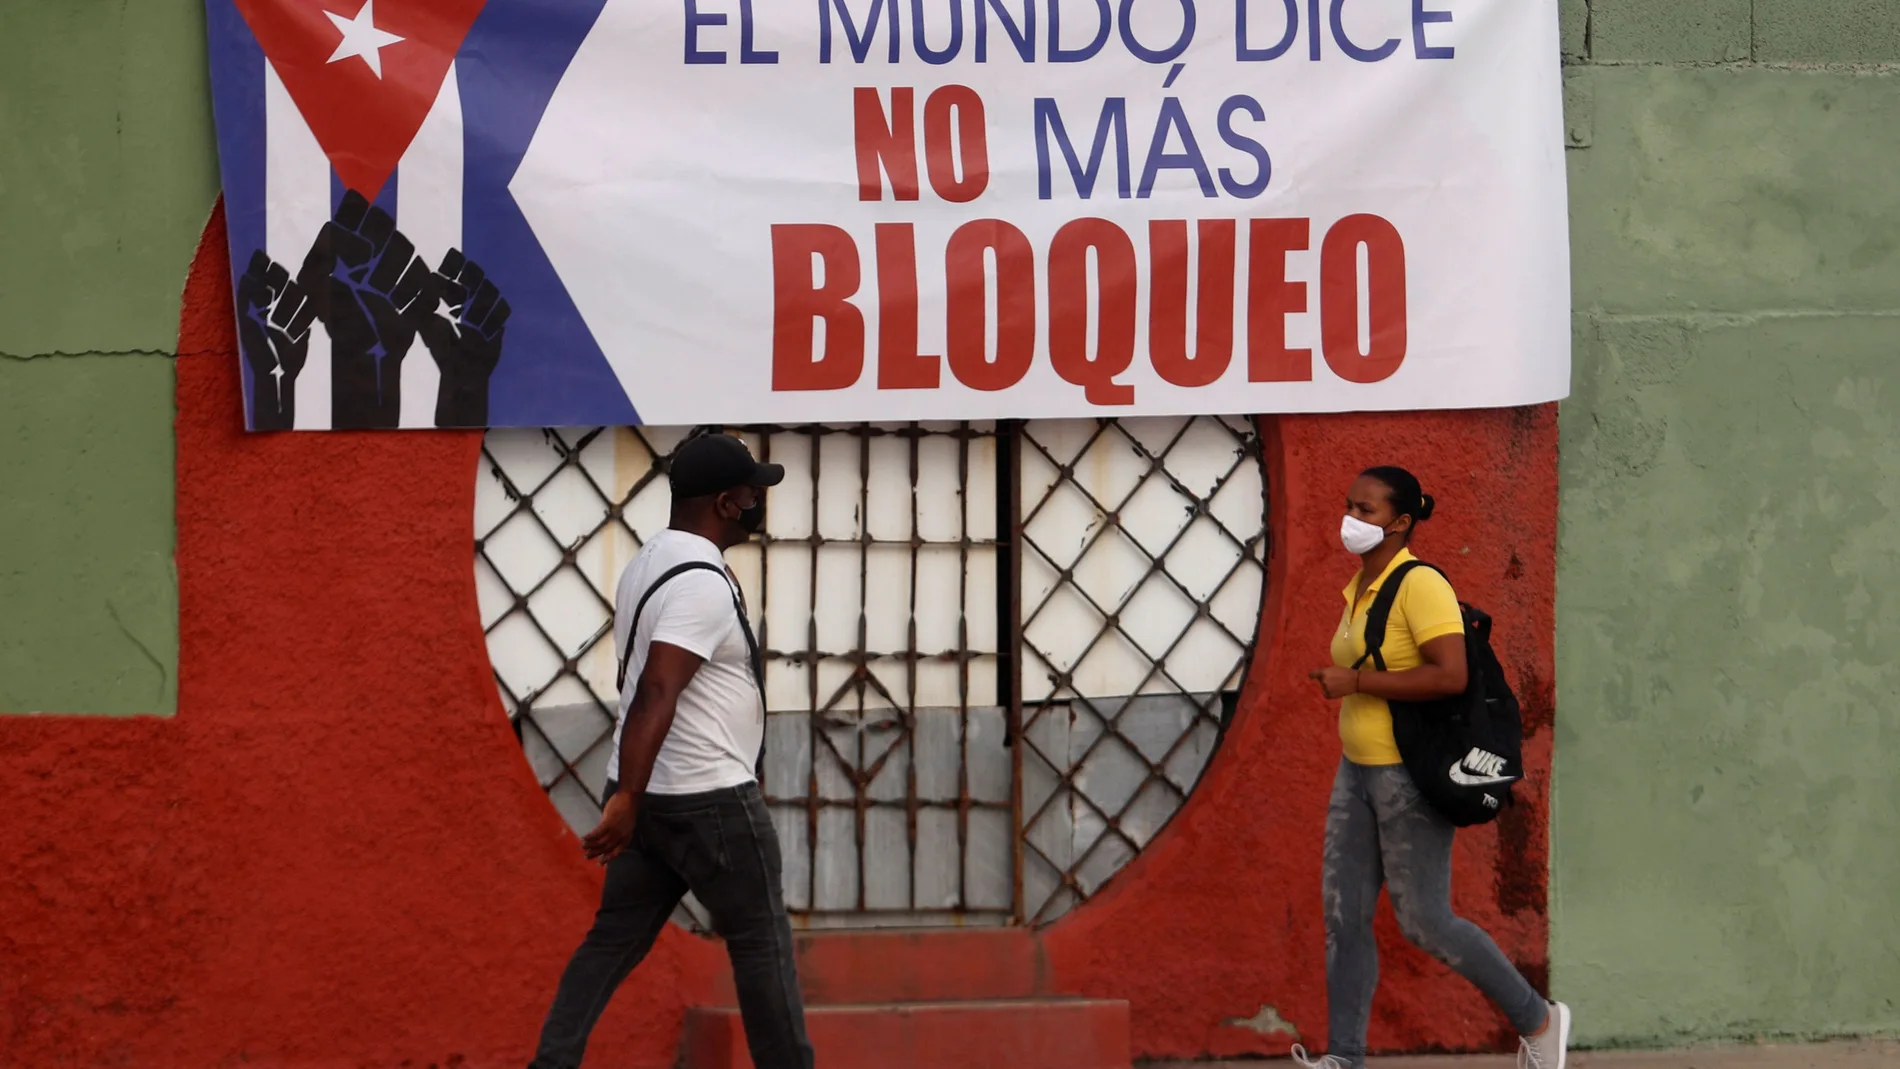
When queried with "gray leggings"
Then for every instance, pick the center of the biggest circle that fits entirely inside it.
(1379, 830)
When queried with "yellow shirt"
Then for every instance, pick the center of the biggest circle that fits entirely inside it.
(1425, 609)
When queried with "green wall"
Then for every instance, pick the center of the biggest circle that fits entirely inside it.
(1726, 851)
(107, 174)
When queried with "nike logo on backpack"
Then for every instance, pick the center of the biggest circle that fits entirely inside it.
(1479, 769)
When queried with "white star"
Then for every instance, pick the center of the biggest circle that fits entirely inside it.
(361, 38)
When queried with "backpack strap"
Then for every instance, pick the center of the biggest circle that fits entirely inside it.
(745, 625)
(745, 628)
(1381, 611)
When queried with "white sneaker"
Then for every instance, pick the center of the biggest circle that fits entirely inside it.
(1326, 1062)
(1549, 1048)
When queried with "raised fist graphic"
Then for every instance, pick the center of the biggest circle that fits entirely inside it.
(274, 333)
(369, 287)
(466, 342)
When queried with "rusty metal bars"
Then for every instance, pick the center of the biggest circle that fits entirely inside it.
(522, 706)
(858, 721)
(865, 723)
(1063, 695)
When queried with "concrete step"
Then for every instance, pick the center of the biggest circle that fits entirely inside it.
(913, 965)
(1042, 1033)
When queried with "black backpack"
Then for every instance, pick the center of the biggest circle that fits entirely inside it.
(1464, 752)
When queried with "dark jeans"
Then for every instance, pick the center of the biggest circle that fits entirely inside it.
(722, 846)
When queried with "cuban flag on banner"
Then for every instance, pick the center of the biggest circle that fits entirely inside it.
(384, 275)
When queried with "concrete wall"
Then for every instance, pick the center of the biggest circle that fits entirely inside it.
(1728, 797)
(107, 173)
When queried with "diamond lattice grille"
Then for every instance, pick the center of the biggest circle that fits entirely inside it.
(1143, 563)
(998, 658)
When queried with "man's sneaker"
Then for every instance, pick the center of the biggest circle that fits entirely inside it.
(1326, 1062)
(1549, 1048)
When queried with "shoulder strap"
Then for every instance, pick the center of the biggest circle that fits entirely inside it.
(745, 628)
(1381, 611)
(752, 643)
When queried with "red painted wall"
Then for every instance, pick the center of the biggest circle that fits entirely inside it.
(334, 855)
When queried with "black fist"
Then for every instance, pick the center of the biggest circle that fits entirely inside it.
(274, 319)
(368, 286)
(466, 343)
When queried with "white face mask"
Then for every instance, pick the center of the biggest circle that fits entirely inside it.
(1360, 537)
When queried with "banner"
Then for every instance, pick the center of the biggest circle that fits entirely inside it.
(555, 212)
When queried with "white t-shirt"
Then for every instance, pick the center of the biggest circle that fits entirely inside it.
(718, 725)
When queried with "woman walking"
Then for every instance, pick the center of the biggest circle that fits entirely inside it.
(1379, 830)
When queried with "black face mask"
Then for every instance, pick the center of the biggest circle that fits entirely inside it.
(752, 520)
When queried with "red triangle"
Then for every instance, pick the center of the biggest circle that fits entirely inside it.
(363, 122)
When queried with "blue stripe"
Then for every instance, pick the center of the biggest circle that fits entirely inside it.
(552, 371)
(237, 100)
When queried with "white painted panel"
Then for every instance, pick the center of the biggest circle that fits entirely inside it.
(840, 478)
(786, 622)
(840, 597)
(491, 594)
(1237, 606)
(890, 492)
(429, 214)
(1207, 660)
(1204, 558)
(835, 698)
(522, 552)
(297, 204)
(788, 507)
(570, 611)
(889, 607)
(1156, 615)
(1154, 516)
(521, 657)
(570, 507)
(942, 502)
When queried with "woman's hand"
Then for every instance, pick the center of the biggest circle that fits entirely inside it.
(1337, 682)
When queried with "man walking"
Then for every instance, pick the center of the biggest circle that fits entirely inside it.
(684, 810)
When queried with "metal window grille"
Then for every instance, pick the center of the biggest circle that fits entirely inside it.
(998, 657)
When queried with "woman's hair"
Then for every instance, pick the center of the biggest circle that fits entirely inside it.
(1406, 496)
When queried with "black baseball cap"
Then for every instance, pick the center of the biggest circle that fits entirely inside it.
(712, 463)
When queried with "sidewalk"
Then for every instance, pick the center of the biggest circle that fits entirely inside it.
(1864, 1054)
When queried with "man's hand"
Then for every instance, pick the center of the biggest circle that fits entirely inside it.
(365, 279)
(614, 831)
(1336, 682)
(466, 341)
(274, 332)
